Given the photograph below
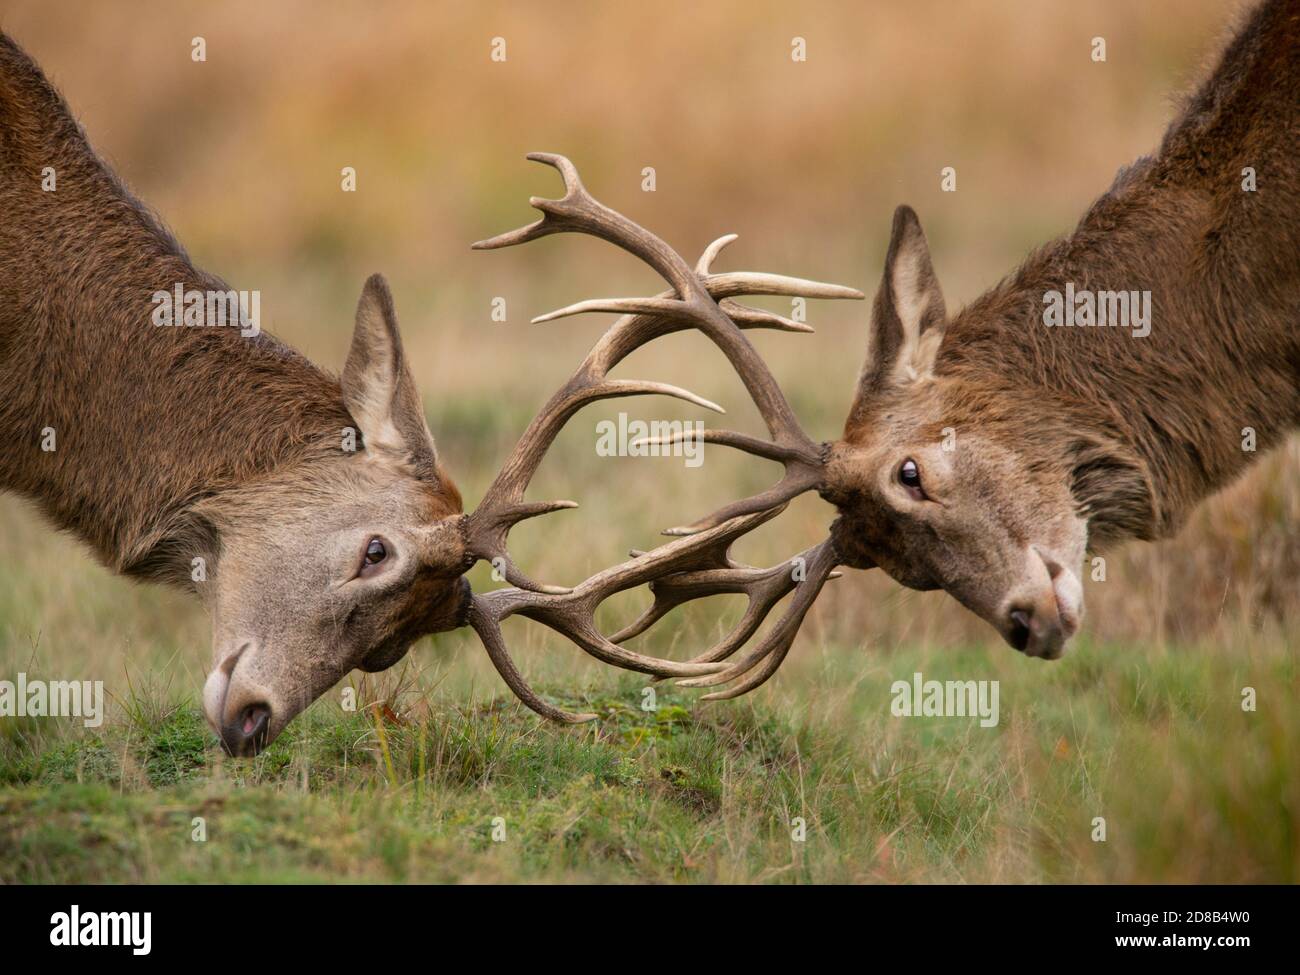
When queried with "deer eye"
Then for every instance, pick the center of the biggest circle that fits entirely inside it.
(373, 557)
(909, 475)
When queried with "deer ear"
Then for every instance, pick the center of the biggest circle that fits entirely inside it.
(378, 389)
(908, 316)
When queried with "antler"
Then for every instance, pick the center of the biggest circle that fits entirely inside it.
(698, 299)
(816, 565)
(572, 613)
(694, 302)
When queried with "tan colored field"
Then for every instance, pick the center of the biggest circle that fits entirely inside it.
(241, 155)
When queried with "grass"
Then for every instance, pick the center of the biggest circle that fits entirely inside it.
(413, 787)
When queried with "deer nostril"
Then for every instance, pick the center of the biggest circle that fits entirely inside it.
(1019, 637)
(247, 734)
(254, 720)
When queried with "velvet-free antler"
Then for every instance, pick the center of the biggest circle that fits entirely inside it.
(692, 566)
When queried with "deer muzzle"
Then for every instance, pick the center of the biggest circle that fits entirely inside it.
(1039, 620)
(242, 717)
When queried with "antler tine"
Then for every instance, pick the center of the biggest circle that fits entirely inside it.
(693, 302)
(488, 629)
(820, 561)
(764, 588)
(706, 576)
(579, 212)
(803, 461)
(572, 613)
(802, 472)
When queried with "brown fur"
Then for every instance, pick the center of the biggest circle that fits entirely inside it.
(1223, 266)
(177, 443)
(1073, 434)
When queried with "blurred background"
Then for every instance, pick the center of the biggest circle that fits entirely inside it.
(241, 156)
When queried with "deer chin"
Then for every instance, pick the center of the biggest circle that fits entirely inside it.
(1041, 616)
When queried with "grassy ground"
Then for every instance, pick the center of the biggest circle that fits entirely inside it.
(1141, 724)
(412, 787)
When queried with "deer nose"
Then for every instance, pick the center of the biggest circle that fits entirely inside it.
(246, 735)
(1040, 619)
(1036, 630)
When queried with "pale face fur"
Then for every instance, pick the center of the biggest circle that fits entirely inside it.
(993, 522)
(295, 604)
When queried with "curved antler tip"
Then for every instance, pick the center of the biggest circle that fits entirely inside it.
(711, 252)
(679, 530)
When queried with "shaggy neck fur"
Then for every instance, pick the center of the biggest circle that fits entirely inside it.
(147, 421)
(1153, 425)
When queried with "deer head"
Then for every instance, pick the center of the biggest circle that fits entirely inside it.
(339, 562)
(940, 482)
(947, 487)
(367, 551)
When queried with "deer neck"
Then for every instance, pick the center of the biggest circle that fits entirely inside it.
(1204, 239)
(116, 426)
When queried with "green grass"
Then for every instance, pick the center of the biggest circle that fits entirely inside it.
(1191, 787)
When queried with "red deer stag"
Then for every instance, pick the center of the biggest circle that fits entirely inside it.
(224, 463)
(987, 451)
